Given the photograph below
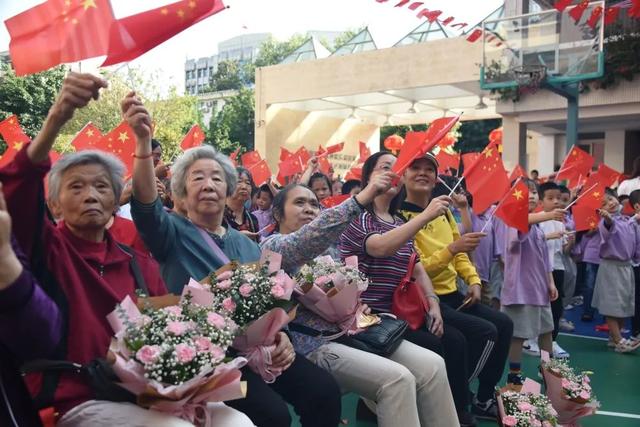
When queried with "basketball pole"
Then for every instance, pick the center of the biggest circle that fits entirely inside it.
(571, 92)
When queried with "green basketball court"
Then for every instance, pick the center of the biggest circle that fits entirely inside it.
(616, 382)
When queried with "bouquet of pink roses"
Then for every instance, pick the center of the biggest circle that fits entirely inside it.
(526, 408)
(332, 290)
(173, 358)
(570, 392)
(257, 297)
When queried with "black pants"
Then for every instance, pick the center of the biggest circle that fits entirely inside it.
(635, 322)
(488, 335)
(557, 308)
(452, 347)
(312, 391)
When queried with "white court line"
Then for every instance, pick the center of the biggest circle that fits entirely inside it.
(618, 414)
(583, 336)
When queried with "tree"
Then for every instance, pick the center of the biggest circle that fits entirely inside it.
(273, 52)
(172, 114)
(344, 38)
(230, 75)
(233, 126)
(28, 97)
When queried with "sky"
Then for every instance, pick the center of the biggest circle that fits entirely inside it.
(282, 18)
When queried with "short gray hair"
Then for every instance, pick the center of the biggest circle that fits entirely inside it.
(184, 162)
(114, 167)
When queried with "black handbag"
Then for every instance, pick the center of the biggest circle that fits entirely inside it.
(381, 339)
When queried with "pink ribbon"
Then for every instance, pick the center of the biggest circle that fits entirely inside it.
(259, 359)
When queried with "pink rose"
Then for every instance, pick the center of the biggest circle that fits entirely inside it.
(225, 275)
(245, 290)
(228, 304)
(277, 291)
(214, 319)
(224, 285)
(566, 383)
(148, 354)
(524, 406)
(174, 309)
(177, 328)
(584, 394)
(203, 344)
(586, 379)
(185, 353)
(217, 353)
(509, 420)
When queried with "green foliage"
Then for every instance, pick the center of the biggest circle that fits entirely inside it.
(273, 52)
(344, 38)
(230, 75)
(621, 61)
(28, 97)
(233, 126)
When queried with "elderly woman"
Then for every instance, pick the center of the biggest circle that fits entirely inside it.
(409, 386)
(196, 245)
(236, 214)
(86, 271)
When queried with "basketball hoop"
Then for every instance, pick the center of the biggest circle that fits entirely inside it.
(529, 77)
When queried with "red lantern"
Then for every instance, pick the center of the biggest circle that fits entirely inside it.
(394, 143)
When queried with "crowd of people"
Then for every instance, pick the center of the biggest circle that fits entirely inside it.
(66, 261)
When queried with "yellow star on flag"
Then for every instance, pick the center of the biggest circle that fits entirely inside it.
(89, 3)
(90, 133)
(67, 3)
(180, 13)
(488, 153)
(12, 121)
(17, 146)
(192, 4)
(518, 194)
(196, 134)
(164, 11)
(123, 136)
(596, 194)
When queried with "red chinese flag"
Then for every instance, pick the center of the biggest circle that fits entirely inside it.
(611, 15)
(468, 159)
(627, 209)
(354, 173)
(606, 175)
(561, 5)
(585, 217)
(475, 35)
(260, 172)
(324, 165)
(120, 141)
(332, 201)
(13, 136)
(577, 164)
(634, 11)
(518, 172)
(486, 179)
(363, 151)
(418, 143)
(289, 167)
(577, 12)
(234, 156)
(320, 151)
(336, 148)
(592, 195)
(285, 154)
(193, 138)
(87, 138)
(447, 161)
(513, 209)
(59, 31)
(54, 156)
(250, 158)
(595, 17)
(137, 34)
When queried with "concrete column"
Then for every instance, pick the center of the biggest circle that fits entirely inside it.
(614, 149)
(546, 150)
(514, 143)
(260, 139)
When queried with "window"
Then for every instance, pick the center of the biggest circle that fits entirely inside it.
(199, 73)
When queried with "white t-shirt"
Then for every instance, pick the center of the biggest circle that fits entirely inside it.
(125, 211)
(626, 187)
(554, 245)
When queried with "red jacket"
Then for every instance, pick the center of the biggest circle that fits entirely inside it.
(94, 276)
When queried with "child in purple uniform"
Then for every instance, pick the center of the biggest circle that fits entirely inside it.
(634, 199)
(528, 285)
(614, 293)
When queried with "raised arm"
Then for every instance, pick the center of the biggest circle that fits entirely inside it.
(144, 178)
(387, 244)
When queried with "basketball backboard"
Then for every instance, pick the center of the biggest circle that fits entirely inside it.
(568, 50)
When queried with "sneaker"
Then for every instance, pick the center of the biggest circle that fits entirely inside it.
(485, 410)
(635, 337)
(627, 346)
(531, 348)
(611, 343)
(566, 326)
(466, 419)
(577, 300)
(569, 307)
(514, 380)
(559, 352)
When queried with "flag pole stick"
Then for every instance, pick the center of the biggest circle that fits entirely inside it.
(456, 186)
(580, 196)
(442, 181)
(499, 203)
